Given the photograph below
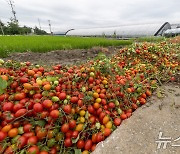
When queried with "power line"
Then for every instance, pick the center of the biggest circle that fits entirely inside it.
(1, 27)
(50, 26)
(39, 23)
(10, 2)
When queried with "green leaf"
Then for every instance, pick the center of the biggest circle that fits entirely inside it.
(87, 115)
(77, 151)
(1, 91)
(3, 83)
(40, 123)
(76, 139)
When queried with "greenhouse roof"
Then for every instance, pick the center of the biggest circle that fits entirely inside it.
(124, 31)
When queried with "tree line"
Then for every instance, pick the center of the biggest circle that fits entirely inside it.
(12, 28)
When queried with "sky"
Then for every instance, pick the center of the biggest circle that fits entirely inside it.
(67, 14)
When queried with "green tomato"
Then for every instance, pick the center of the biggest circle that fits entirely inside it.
(20, 130)
(51, 142)
(83, 89)
(1, 61)
(55, 99)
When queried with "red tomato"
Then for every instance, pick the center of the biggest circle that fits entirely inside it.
(33, 150)
(38, 107)
(72, 124)
(123, 116)
(23, 80)
(67, 142)
(80, 144)
(20, 113)
(22, 141)
(17, 107)
(47, 103)
(65, 128)
(100, 137)
(3, 135)
(62, 96)
(75, 134)
(117, 121)
(67, 109)
(54, 114)
(27, 128)
(74, 99)
(88, 144)
(8, 106)
(32, 140)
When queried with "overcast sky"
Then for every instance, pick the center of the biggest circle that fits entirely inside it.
(66, 14)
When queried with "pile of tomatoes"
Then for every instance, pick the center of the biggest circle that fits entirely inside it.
(70, 109)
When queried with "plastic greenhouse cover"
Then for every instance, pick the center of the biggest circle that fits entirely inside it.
(130, 30)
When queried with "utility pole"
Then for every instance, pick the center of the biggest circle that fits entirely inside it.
(1, 28)
(50, 27)
(39, 23)
(10, 2)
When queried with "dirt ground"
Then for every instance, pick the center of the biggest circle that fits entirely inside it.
(61, 56)
(139, 134)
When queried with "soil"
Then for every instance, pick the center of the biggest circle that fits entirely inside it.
(61, 56)
(139, 133)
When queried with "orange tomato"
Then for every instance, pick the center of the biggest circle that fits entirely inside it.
(13, 132)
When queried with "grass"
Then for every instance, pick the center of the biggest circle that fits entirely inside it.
(10, 44)
(150, 39)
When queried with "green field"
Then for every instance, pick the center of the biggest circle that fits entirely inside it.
(9, 44)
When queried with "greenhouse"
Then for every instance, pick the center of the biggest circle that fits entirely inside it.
(172, 32)
(128, 31)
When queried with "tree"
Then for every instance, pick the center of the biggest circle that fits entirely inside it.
(39, 31)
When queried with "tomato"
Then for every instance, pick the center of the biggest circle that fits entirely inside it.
(80, 144)
(9, 150)
(54, 114)
(17, 107)
(107, 131)
(62, 96)
(13, 132)
(20, 113)
(72, 124)
(51, 142)
(7, 128)
(67, 109)
(43, 152)
(74, 99)
(79, 127)
(105, 120)
(91, 109)
(69, 134)
(8, 106)
(67, 142)
(88, 144)
(23, 80)
(134, 106)
(75, 134)
(33, 150)
(65, 128)
(29, 134)
(117, 121)
(94, 138)
(22, 141)
(41, 134)
(123, 116)
(19, 96)
(37, 107)
(27, 128)
(111, 105)
(100, 137)
(47, 103)
(3, 135)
